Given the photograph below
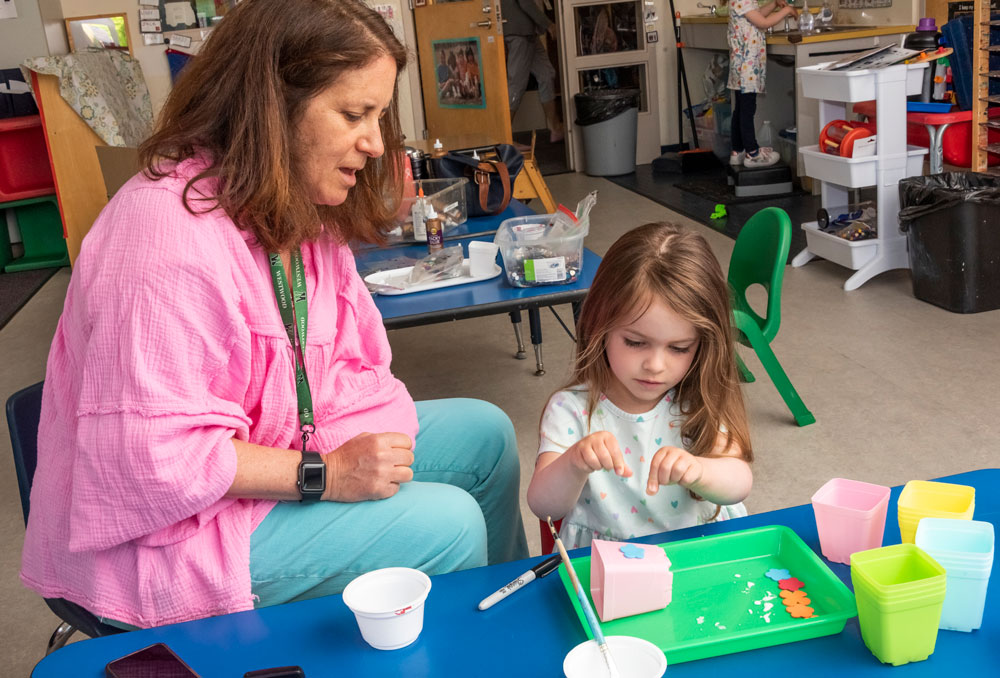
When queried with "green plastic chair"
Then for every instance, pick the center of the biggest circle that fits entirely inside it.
(759, 257)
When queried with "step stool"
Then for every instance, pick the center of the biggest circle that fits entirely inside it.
(753, 181)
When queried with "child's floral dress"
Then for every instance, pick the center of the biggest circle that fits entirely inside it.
(747, 49)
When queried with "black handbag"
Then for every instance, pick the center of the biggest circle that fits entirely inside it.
(491, 176)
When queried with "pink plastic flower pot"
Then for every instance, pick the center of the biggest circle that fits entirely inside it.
(850, 517)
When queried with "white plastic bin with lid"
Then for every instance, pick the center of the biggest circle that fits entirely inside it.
(532, 256)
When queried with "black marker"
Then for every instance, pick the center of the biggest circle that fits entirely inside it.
(537, 572)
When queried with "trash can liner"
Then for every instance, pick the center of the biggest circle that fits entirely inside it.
(920, 196)
(952, 224)
(597, 105)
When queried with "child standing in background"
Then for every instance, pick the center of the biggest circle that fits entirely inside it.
(747, 66)
(651, 432)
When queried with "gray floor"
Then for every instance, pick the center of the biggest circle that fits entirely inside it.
(900, 389)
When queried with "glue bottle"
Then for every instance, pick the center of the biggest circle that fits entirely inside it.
(418, 212)
(438, 151)
(434, 232)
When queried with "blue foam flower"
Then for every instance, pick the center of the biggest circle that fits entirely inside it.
(776, 574)
(632, 551)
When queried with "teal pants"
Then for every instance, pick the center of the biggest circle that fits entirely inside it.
(461, 510)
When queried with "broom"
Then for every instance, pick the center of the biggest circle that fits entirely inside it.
(690, 160)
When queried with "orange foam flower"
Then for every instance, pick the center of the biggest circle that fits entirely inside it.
(800, 611)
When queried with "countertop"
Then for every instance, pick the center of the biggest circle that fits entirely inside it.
(843, 33)
(840, 33)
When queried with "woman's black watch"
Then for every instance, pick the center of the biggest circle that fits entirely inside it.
(312, 476)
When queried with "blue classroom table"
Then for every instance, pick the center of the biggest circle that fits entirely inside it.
(472, 300)
(529, 633)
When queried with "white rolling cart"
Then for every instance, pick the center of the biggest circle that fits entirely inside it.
(893, 160)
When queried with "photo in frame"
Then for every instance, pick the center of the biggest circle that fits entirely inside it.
(458, 73)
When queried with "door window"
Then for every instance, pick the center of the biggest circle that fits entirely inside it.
(607, 28)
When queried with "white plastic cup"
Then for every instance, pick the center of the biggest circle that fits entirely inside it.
(482, 258)
(634, 657)
(389, 605)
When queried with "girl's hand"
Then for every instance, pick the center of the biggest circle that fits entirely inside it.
(368, 466)
(596, 452)
(673, 466)
(791, 11)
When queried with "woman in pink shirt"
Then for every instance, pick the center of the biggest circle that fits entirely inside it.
(220, 427)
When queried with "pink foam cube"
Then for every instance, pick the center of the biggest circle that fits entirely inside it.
(627, 579)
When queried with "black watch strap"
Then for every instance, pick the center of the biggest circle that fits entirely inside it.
(312, 476)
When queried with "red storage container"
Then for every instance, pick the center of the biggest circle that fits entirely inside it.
(24, 161)
(956, 143)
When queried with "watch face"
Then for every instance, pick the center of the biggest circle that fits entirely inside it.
(312, 480)
(312, 475)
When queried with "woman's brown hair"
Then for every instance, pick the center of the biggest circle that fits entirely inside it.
(237, 104)
(667, 262)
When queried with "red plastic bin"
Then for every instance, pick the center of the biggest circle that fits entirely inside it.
(24, 160)
(956, 143)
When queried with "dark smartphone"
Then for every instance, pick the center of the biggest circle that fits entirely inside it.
(277, 672)
(155, 661)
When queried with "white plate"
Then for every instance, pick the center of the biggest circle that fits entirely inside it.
(397, 277)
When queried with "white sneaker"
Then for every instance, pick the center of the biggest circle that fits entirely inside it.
(765, 158)
(736, 159)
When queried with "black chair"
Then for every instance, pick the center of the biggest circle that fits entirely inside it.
(23, 413)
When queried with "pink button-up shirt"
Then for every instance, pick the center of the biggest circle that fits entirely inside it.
(170, 344)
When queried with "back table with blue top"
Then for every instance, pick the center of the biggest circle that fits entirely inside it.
(530, 632)
(471, 300)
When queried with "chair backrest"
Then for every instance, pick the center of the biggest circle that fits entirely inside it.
(759, 257)
(24, 410)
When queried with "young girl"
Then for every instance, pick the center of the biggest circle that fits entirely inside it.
(747, 63)
(650, 434)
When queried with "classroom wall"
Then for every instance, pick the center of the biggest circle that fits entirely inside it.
(23, 37)
(152, 58)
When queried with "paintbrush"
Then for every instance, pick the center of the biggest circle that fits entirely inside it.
(588, 611)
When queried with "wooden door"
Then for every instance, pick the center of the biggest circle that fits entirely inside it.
(463, 68)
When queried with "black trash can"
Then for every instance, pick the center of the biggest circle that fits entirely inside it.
(952, 225)
(609, 119)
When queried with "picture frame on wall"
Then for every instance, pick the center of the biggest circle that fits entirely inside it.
(178, 15)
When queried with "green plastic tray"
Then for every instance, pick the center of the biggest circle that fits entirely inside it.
(714, 609)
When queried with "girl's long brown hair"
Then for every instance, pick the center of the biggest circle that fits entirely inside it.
(237, 105)
(667, 262)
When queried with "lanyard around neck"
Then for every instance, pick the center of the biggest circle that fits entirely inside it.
(295, 325)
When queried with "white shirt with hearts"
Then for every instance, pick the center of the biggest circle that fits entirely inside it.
(615, 508)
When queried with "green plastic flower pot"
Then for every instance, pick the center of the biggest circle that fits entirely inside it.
(900, 591)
